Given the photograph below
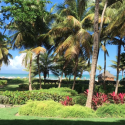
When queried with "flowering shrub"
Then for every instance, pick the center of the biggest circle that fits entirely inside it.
(68, 101)
(98, 99)
(120, 98)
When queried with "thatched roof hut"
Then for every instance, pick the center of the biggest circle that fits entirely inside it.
(108, 76)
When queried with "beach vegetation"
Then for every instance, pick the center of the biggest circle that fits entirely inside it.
(65, 43)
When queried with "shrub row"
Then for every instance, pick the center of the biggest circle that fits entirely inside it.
(54, 109)
(80, 88)
(20, 97)
(3, 82)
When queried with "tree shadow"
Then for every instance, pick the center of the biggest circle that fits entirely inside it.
(59, 122)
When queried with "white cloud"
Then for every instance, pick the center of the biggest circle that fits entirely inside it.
(15, 63)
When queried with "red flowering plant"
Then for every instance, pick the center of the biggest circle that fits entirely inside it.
(67, 102)
(98, 99)
(117, 98)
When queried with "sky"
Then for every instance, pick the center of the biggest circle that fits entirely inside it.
(15, 65)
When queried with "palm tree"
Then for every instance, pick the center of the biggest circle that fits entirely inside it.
(4, 51)
(74, 40)
(47, 65)
(121, 65)
(99, 68)
(37, 51)
(116, 31)
(95, 55)
(27, 59)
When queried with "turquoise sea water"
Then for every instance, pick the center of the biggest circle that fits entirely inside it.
(51, 76)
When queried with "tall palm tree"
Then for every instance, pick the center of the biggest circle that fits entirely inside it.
(116, 31)
(27, 59)
(95, 55)
(74, 39)
(37, 51)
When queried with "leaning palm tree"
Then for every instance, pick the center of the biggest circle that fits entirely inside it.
(37, 51)
(27, 59)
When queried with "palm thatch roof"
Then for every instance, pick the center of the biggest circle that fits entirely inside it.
(107, 75)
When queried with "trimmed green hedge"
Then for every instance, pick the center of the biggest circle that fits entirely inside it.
(56, 94)
(3, 82)
(79, 87)
(55, 109)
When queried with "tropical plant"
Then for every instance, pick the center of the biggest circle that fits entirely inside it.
(72, 40)
(95, 55)
(47, 65)
(121, 65)
(37, 51)
(27, 59)
(4, 51)
(116, 30)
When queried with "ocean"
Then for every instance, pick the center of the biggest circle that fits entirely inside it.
(51, 76)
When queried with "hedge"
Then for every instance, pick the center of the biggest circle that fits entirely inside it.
(20, 97)
(55, 109)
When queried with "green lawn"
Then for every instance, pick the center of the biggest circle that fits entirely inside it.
(7, 117)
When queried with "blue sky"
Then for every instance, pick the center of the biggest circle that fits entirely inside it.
(16, 66)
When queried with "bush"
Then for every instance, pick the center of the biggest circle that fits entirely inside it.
(67, 102)
(56, 94)
(111, 110)
(4, 100)
(119, 98)
(77, 111)
(54, 109)
(42, 108)
(80, 99)
(3, 82)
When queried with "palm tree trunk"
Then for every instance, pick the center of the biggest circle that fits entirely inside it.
(39, 71)
(95, 56)
(60, 80)
(30, 86)
(118, 62)
(102, 18)
(76, 65)
(104, 63)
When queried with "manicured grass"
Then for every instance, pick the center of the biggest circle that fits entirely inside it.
(7, 117)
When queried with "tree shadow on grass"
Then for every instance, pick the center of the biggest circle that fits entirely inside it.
(59, 122)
